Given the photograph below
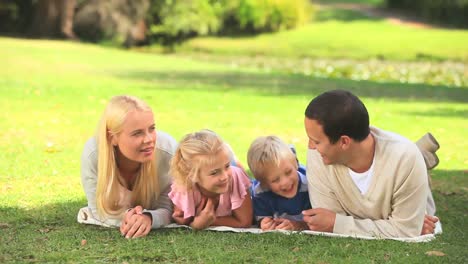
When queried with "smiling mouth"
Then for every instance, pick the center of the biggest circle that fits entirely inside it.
(288, 190)
(147, 150)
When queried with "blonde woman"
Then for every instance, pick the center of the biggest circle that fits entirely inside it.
(125, 170)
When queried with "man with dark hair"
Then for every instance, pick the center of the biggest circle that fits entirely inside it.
(364, 180)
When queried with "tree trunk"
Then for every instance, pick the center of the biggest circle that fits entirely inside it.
(54, 18)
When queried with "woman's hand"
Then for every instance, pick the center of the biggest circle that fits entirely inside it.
(135, 223)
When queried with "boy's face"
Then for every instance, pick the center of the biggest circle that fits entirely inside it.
(282, 180)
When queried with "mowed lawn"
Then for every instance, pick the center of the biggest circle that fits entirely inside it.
(53, 94)
(339, 33)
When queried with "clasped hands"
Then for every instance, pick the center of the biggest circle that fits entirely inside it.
(135, 223)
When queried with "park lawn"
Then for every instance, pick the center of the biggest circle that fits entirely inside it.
(339, 33)
(367, 2)
(54, 92)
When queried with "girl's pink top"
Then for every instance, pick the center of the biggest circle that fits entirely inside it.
(187, 201)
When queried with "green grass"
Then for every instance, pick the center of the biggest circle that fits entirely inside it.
(54, 92)
(367, 2)
(338, 33)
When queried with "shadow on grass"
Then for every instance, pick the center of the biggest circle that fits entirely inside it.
(342, 15)
(441, 112)
(293, 85)
(49, 215)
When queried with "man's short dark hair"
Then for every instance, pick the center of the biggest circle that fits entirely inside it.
(340, 113)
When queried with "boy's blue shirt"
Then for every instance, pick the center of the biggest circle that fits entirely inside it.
(269, 204)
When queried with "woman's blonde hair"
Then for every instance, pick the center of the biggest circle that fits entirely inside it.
(146, 187)
(194, 151)
(268, 151)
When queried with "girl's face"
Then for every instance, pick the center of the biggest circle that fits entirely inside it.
(214, 178)
(138, 137)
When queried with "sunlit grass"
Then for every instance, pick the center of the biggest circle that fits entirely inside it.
(344, 34)
(54, 92)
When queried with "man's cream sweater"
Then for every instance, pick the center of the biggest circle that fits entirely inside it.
(395, 203)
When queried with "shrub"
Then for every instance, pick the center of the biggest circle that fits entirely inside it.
(174, 20)
(267, 15)
(178, 19)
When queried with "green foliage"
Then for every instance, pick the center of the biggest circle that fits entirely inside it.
(15, 15)
(175, 20)
(452, 12)
(271, 15)
(184, 18)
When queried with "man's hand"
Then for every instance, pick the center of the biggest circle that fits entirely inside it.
(320, 219)
(267, 223)
(135, 223)
(429, 224)
(205, 215)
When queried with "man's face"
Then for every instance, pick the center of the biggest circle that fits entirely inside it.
(319, 141)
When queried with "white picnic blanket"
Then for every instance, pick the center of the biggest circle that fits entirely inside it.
(423, 238)
(85, 217)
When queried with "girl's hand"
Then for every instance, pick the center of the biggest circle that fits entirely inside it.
(267, 223)
(286, 224)
(178, 216)
(205, 216)
(135, 223)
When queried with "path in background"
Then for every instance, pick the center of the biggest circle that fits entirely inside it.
(393, 16)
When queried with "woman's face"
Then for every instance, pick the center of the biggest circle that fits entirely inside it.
(137, 140)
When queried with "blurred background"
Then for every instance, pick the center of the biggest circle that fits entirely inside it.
(167, 22)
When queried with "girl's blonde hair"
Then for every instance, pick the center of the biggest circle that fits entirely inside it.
(146, 187)
(194, 151)
(268, 151)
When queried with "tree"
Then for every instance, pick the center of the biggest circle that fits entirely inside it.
(54, 18)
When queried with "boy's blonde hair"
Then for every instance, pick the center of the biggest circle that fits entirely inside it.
(146, 187)
(194, 151)
(265, 152)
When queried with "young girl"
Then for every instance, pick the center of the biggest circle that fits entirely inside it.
(207, 190)
(125, 170)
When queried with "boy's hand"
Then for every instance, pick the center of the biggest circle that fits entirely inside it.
(267, 223)
(286, 224)
(206, 215)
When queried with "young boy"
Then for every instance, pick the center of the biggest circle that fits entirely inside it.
(280, 191)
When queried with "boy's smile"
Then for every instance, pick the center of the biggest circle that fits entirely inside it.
(283, 179)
